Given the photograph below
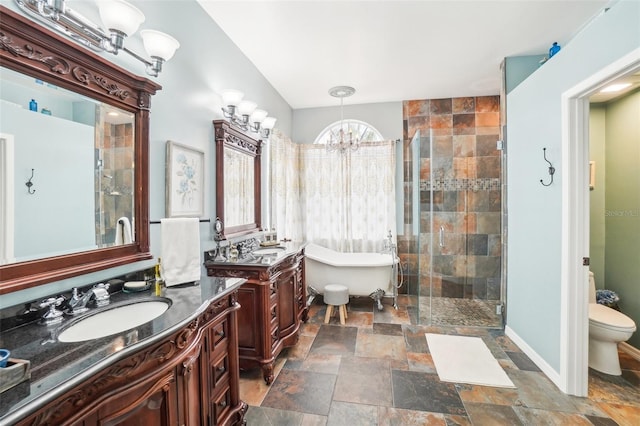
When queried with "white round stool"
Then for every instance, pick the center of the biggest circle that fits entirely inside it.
(336, 295)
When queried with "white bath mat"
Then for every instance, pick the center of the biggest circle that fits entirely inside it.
(463, 359)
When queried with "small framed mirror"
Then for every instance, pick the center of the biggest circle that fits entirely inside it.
(238, 200)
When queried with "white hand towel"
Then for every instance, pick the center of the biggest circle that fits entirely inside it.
(180, 250)
(124, 235)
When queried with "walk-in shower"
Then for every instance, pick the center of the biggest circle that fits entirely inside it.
(451, 249)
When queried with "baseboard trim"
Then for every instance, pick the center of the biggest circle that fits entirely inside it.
(631, 350)
(552, 374)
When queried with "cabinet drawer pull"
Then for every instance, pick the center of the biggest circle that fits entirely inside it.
(220, 369)
(222, 403)
(220, 333)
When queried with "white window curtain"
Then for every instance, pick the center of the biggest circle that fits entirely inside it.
(285, 188)
(345, 201)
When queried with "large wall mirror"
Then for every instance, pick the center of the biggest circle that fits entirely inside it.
(237, 180)
(73, 185)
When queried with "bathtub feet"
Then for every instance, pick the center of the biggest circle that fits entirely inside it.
(377, 297)
(312, 293)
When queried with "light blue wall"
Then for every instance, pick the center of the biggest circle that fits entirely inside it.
(534, 122)
(206, 63)
(518, 68)
(386, 117)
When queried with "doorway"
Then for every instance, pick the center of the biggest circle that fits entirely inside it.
(575, 220)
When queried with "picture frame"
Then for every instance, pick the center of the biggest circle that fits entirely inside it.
(184, 175)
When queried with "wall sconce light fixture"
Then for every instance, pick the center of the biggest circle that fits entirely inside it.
(120, 19)
(245, 114)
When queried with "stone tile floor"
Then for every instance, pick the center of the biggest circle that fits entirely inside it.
(377, 370)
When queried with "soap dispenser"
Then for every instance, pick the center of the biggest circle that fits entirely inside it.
(159, 282)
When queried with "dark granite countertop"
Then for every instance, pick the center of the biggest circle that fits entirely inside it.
(57, 366)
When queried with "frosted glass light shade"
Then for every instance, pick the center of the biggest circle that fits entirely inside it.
(231, 97)
(118, 15)
(268, 123)
(258, 115)
(246, 107)
(158, 44)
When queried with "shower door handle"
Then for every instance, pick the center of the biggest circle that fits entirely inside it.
(441, 243)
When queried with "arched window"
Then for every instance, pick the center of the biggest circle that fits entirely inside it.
(361, 130)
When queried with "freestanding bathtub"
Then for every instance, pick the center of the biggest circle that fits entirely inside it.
(364, 274)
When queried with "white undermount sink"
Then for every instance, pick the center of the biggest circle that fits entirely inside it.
(114, 320)
(268, 250)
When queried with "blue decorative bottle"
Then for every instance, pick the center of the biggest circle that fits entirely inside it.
(33, 105)
(554, 49)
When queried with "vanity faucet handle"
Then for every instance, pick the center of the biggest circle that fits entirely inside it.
(102, 285)
(52, 316)
(52, 302)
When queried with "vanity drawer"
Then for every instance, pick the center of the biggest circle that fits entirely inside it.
(220, 405)
(220, 370)
(219, 335)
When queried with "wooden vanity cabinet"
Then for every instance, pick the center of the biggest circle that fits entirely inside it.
(188, 378)
(272, 307)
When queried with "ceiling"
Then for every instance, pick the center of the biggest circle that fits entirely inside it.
(393, 50)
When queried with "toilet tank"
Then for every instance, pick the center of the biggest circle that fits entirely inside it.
(592, 288)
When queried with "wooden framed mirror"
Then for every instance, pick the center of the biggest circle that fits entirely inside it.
(58, 64)
(238, 200)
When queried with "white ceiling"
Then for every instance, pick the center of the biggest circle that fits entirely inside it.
(393, 50)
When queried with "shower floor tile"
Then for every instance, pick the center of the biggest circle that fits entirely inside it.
(451, 311)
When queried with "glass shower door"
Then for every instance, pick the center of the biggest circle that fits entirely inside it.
(464, 242)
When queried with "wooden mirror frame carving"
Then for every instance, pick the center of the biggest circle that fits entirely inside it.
(31, 49)
(230, 137)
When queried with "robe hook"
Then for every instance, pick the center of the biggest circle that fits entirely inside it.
(552, 169)
(30, 184)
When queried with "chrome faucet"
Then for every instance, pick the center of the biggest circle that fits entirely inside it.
(52, 316)
(78, 304)
(389, 246)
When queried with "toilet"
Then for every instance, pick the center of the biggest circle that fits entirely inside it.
(607, 328)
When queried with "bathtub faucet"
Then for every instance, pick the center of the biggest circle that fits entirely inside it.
(389, 246)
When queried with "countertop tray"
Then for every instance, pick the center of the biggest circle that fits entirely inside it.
(16, 371)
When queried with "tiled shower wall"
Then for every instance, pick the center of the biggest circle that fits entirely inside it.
(457, 140)
(114, 183)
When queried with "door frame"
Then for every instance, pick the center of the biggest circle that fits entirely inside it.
(7, 198)
(574, 318)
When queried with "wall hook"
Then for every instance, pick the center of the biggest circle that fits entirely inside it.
(30, 184)
(552, 169)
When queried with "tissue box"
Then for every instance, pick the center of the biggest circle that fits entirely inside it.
(16, 371)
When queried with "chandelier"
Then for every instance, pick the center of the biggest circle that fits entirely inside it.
(344, 140)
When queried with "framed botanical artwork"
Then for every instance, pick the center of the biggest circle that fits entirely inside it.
(184, 181)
